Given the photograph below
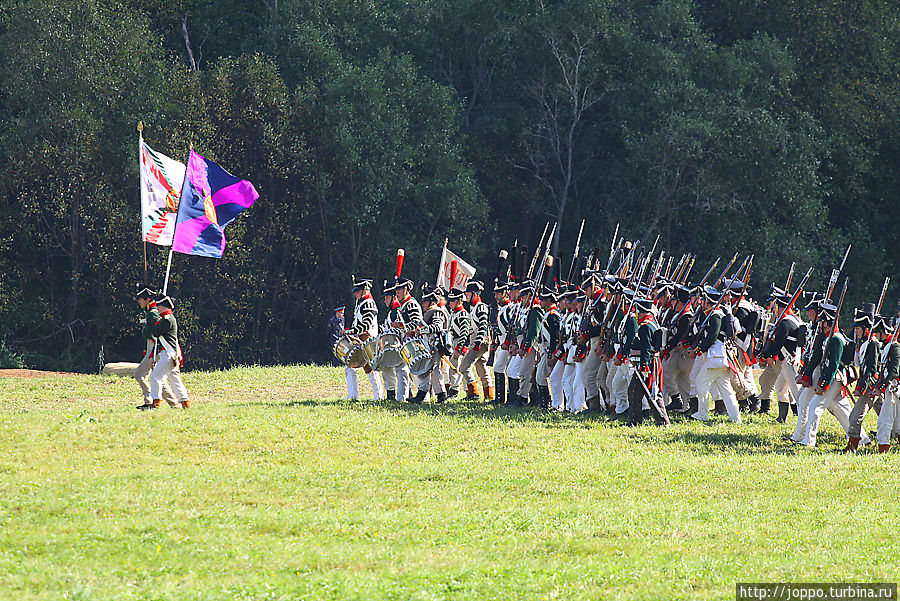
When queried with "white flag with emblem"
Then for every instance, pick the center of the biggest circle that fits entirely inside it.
(464, 271)
(161, 179)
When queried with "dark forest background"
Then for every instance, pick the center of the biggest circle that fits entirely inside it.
(759, 126)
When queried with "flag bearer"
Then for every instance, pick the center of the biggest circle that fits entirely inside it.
(169, 358)
(142, 371)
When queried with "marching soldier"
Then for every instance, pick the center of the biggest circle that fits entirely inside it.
(501, 350)
(475, 360)
(408, 319)
(548, 340)
(781, 354)
(889, 416)
(142, 371)
(435, 323)
(460, 331)
(364, 326)
(528, 350)
(677, 362)
(589, 338)
(647, 369)
(565, 345)
(867, 334)
(573, 374)
(714, 380)
(390, 375)
(830, 391)
(627, 336)
(169, 359)
(743, 321)
(512, 342)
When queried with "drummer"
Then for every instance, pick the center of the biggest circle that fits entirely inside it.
(409, 319)
(436, 320)
(389, 374)
(364, 326)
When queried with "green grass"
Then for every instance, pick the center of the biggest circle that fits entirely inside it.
(272, 488)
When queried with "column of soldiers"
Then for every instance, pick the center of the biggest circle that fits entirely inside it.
(640, 342)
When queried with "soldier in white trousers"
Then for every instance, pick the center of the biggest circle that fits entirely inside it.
(364, 326)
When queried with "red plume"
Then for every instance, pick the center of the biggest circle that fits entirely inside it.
(400, 254)
(453, 269)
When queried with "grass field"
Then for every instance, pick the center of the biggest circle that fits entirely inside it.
(270, 487)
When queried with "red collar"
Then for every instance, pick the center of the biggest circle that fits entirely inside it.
(459, 308)
(151, 305)
(395, 304)
(645, 319)
(367, 295)
(165, 311)
(504, 302)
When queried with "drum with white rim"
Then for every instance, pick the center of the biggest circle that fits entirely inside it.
(349, 351)
(387, 350)
(418, 355)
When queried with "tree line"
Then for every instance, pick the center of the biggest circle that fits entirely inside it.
(763, 126)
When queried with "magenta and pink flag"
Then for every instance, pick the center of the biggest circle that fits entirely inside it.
(210, 199)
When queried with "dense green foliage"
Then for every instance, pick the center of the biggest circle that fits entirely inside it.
(757, 126)
(270, 488)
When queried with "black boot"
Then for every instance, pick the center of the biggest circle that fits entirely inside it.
(794, 409)
(534, 396)
(677, 404)
(719, 407)
(499, 389)
(544, 393)
(512, 393)
(391, 395)
(782, 412)
(743, 405)
(764, 405)
(452, 393)
(754, 404)
(418, 398)
(693, 405)
(441, 398)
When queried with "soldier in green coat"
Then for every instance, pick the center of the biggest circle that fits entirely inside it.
(169, 357)
(142, 371)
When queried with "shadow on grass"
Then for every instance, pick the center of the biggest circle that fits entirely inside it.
(714, 438)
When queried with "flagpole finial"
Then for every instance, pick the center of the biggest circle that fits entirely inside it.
(445, 242)
(141, 128)
(192, 144)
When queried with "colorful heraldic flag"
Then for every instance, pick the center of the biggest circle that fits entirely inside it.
(161, 179)
(464, 271)
(210, 199)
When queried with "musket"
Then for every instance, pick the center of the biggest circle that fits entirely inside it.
(706, 277)
(878, 307)
(627, 258)
(575, 255)
(669, 267)
(537, 252)
(794, 297)
(746, 263)
(725, 271)
(684, 278)
(835, 273)
(614, 254)
(787, 285)
(682, 265)
(539, 281)
(653, 248)
(837, 314)
(657, 269)
(612, 246)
